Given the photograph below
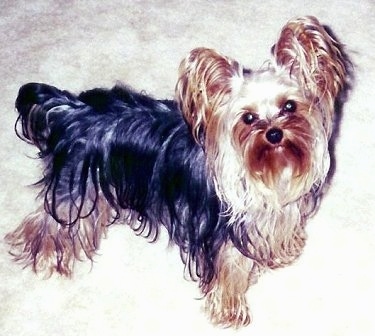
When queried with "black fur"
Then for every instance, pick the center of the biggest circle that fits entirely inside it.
(135, 150)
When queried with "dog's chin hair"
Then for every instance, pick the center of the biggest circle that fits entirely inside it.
(251, 196)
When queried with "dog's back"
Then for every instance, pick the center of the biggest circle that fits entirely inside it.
(111, 154)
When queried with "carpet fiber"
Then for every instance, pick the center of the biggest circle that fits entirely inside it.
(137, 288)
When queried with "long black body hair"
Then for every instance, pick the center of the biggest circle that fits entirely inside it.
(136, 152)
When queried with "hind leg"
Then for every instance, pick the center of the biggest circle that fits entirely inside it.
(47, 246)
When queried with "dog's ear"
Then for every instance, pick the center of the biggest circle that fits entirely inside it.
(313, 57)
(205, 83)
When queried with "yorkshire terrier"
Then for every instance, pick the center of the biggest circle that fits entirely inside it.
(232, 168)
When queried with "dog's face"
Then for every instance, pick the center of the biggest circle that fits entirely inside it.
(270, 134)
(276, 130)
(265, 133)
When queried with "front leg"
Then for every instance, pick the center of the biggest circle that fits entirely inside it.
(226, 302)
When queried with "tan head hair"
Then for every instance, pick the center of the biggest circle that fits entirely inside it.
(314, 59)
(204, 84)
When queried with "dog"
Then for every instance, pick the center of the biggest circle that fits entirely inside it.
(232, 168)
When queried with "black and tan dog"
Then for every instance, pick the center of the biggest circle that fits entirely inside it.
(232, 169)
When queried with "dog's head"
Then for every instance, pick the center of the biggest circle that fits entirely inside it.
(265, 132)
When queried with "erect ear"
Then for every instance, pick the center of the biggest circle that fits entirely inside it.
(313, 57)
(205, 84)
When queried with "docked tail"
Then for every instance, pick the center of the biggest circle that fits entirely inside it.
(36, 104)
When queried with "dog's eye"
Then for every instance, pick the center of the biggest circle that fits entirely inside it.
(289, 106)
(248, 118)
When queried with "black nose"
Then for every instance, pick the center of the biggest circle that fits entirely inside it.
(274, 135)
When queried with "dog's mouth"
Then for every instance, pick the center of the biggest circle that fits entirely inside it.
(268, 161)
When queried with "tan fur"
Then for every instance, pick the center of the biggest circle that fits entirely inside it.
(314, 59)
(203, 87)
(49, 246)
(275, 245)
(226, 302)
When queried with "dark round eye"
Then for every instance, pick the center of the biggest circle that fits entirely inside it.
(248, 118)
(290, 106)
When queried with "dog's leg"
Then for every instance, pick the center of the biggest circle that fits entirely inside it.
(226, 302)
(48, 246)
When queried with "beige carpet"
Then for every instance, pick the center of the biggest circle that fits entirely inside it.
(136, 288)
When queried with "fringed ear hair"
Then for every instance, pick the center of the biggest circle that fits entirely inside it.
(314, 58)
(204, 85)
